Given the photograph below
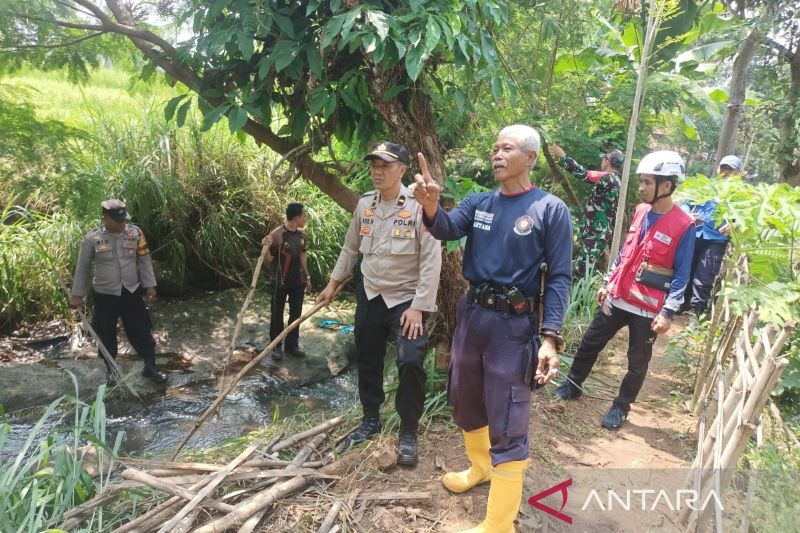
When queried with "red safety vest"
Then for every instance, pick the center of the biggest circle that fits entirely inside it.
(657, 246)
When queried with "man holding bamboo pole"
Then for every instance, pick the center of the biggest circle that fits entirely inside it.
(400, 267)
(291, 280)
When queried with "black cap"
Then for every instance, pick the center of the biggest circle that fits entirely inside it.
(389, 152)
(115, 209)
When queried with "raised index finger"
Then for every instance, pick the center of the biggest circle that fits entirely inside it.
(423, 167)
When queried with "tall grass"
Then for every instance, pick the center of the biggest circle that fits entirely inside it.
(28, 242)
(46, 476)
(203, 199)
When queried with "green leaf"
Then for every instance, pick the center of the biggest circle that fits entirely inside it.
(432, 35)
(237, 118)
(180, 119)
(378, 20)
(245, 42)
(169, 109)
(312, 6)
(401, 48)
(317, 100)
(719, 95)
(314, 61)
(265, 64)
(332, 29)
(415, 61)
(213, 116)
(350, 97)
(394, 91)
(487, 48)
(217, 7)
(349, 20)
(497, 87)
(284, 53)
(286, 25)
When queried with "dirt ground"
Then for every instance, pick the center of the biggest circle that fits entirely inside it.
(566, 442)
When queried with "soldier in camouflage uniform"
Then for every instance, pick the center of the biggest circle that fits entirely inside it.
(597, 224)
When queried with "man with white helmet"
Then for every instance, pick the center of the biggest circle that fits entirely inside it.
(644, 287)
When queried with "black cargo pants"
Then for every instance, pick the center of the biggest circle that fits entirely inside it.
(376, 325)
(129, 306)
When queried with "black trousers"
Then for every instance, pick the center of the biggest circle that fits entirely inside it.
(278, 304)
(640, 350)
(375, 326)
(129, 306)
(706, 262)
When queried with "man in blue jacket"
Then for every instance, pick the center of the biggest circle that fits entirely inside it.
(712, 239)
(511, 232)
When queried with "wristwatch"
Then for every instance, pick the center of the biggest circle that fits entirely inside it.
(556, 336)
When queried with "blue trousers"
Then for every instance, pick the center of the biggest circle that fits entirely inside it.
(706, 262)
(486, 384)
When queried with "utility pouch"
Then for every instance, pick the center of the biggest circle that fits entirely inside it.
(516, 300)
(656, 277)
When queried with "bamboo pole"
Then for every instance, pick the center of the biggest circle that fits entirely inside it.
(216, 479)
(249, 366)
(653, 22)
(253, 505)
(175, 490)
(240, 318)
(293, 469)
(316, 430)
(330, 518)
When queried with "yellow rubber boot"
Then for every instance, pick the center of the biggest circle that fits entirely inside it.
(477, 445)
(505, 494)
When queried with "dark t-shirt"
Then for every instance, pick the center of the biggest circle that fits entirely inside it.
(287, 246)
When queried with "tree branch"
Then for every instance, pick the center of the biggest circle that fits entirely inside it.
(782, 50)
(62, 23)
(59, 45)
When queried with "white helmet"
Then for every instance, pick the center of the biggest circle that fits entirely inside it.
(662, 163)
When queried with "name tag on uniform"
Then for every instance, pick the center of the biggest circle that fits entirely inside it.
(660, 237)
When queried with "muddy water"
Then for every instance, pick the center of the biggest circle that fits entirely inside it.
(258, 400)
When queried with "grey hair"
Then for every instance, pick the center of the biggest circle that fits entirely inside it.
(528, 138)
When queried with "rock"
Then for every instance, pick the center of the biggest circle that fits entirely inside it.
(384, 458)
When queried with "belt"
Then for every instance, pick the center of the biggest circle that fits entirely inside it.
(496, 300)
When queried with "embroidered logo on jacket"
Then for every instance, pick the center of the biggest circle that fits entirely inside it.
(524, 225)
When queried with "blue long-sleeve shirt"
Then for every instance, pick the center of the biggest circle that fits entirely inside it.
(682, 265)
(706, 212)
(508, 238)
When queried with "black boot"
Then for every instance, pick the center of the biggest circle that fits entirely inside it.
(370, 425)
(277, 353)
(407, 449)
(152, 372)
(295, 351)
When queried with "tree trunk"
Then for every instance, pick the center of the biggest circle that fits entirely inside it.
(789, 163)
(410, 119)
(736, 96)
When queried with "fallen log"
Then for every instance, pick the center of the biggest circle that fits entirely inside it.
(250, 512)
(249, 507)
(216, 479)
